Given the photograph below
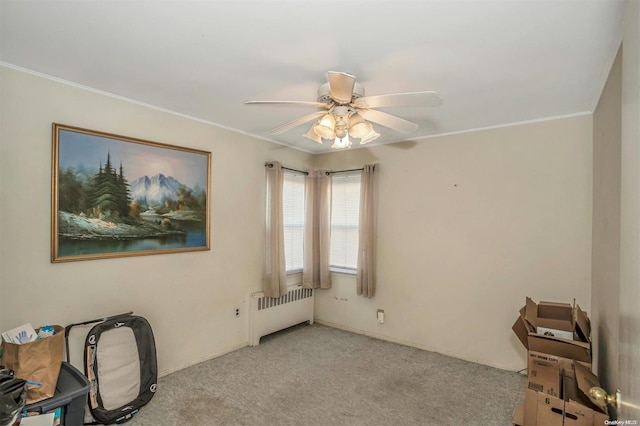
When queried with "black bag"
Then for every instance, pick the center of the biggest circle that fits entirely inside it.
(119, 359)
(13, 397)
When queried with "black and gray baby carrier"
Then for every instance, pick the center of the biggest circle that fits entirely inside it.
(118, 356)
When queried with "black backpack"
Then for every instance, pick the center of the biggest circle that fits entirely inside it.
(119, 359)
(13, 396)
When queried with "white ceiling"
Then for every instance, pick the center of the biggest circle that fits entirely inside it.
(494, 62)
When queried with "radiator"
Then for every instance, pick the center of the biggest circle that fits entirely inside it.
(268, 315)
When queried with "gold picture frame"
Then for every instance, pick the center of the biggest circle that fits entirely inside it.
(117, 196)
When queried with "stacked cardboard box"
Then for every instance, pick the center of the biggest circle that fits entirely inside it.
(558, 341)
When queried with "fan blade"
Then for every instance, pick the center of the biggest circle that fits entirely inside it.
(428, 98)
(290, 125)
(341, 86)
(388, 120)
(304, 103)
(313, 135)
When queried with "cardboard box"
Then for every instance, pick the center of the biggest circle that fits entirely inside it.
(554, 316)
(583, 325)
(545, 377)
(573, 408)
(542, 409)
(565, 364)
(550, 316)
(576, 389)
(518, 415)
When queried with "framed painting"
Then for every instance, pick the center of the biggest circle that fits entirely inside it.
(116, 196)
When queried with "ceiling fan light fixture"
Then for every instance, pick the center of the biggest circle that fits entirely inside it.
(373, 135)
(324, 132)
(324, 127)
(328, 120)
(340, 143)
(360, 128)
(312, 135)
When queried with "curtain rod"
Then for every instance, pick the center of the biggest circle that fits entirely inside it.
(270, 165)
(344, 171)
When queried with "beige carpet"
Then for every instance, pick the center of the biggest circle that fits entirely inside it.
(318, 375)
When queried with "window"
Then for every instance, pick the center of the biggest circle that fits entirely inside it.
(293, 219)
(345, 215)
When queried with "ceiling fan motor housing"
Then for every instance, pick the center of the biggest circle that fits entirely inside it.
(324, 92)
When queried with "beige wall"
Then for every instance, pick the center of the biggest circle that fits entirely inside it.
(188, 298)
(605, 267)
(468, 226)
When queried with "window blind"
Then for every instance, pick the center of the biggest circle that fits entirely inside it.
(345, 216)
(293, 219)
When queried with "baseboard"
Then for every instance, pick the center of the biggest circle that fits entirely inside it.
(207, 358)
(414, 345)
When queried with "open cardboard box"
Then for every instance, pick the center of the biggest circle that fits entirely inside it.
(573, 408)
(566, 364)
(547, 374)
(554, 316)
(550, 318)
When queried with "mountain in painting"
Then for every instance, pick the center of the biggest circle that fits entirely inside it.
(155, 190)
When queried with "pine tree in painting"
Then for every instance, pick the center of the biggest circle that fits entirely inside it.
(108, 193)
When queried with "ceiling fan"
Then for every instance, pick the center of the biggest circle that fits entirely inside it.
(346, 113)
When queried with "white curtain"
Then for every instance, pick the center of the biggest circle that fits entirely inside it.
(317, 232)
(365, 279)
(275, 278)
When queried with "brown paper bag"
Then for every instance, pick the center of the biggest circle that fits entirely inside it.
(38, 362)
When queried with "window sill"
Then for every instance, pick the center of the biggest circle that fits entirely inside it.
(294, 277)
(345, 271)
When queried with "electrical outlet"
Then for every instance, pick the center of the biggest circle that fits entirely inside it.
(237, 312)
(381, 316)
